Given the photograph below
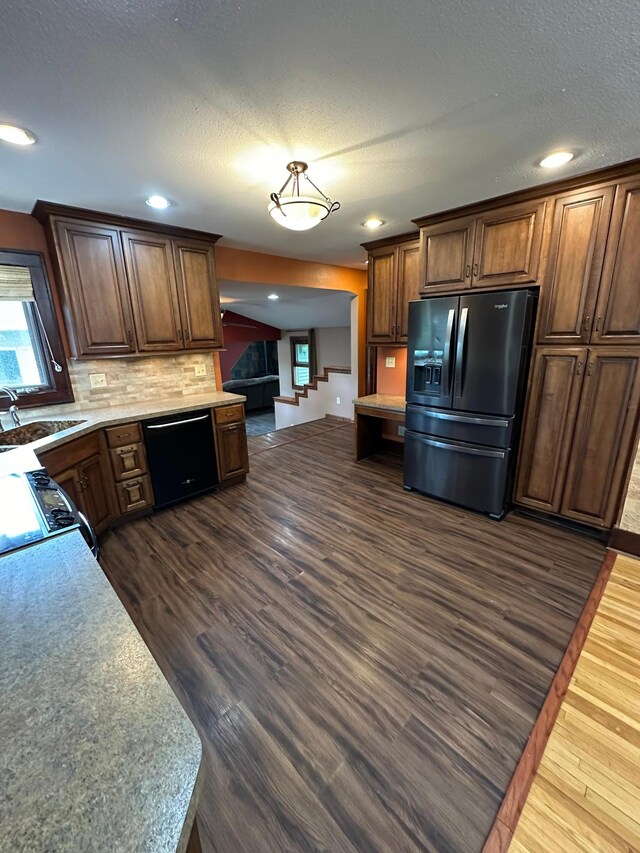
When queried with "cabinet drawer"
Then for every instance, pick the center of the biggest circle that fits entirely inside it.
(128, 461)
(229, 414)
(134, 494)
(124, 434)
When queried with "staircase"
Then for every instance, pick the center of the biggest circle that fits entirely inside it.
(311, 386)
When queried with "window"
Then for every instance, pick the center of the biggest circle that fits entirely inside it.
(300, 361)
(31, 356)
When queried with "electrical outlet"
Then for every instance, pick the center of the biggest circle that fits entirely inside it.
(401, 430)
(390, 361)
(201, 369)
(338, 400)
(98, 380)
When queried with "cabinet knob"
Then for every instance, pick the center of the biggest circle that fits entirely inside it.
(586, 322)
(579, 369)
(597, 325)
(187, 335)
(180, 335)
(130, 336)
(590, 368)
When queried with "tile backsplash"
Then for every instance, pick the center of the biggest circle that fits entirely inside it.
(128, 379)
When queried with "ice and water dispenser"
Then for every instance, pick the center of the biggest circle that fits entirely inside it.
(427, 370)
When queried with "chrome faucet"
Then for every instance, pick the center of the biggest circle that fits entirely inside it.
(13, 409)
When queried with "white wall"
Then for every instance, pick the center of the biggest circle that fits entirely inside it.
(321, 402)
(284, 361)
(333, 347)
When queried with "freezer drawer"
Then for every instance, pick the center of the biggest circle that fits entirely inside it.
(467, 474)
(461, 426)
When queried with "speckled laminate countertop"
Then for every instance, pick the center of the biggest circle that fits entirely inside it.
(93, 419)
(96, 752)
(382, 401)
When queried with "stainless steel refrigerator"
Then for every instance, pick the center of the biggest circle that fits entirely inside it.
(467, 363)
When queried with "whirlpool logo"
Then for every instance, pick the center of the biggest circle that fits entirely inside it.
(501, 305)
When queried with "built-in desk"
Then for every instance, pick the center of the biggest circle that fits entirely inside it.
(371, 412)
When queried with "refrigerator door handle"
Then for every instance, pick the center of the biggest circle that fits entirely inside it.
(460, 448)
(446, 379)
(468, 419)
(461, 351)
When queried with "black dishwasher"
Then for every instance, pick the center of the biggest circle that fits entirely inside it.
(181, 455)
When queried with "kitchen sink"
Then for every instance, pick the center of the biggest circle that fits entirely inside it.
(31, 432)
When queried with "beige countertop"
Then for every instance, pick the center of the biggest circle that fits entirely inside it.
(97, 752)
(390, 402)
(93, 419)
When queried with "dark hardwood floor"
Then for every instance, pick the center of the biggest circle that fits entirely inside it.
(363, 664)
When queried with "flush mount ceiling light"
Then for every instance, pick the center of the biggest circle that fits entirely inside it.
(373, 223)
(16, 135)
(558, 158)
(158, 201)
(273, 296)
(300, 212)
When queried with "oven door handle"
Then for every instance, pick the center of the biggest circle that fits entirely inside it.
(177, 423)
(93, 541)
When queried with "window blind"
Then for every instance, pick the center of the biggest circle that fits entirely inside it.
(15, 284)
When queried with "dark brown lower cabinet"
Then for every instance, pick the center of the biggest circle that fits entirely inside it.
(80, 467)
(579, 432)
(233, 457)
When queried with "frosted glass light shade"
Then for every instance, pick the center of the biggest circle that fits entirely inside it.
(299, 213)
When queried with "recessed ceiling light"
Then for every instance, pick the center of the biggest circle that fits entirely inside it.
(273, 296)
(16, 135)
(558, 158)
(158, 201)
(373, 223)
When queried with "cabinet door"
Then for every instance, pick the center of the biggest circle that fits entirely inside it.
(96, 296)
(95, 497)
(618, 308)
(128, 461)
(233, 457)
(578, 238)
(382, 296)
(508, 243)
(548, 426)
(447, 254)
(603, 438)
(134, 495)
(198, 294)
(69, 480)
(408, 285)
(154, 293)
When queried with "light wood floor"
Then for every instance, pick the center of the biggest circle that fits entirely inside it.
(586, 795)
(363, 665)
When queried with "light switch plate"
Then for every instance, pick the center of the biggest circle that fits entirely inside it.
(98, 380)
(201, 369)
(390, 361)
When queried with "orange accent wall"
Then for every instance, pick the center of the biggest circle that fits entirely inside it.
(392, 380)
(24, 232)
(241, 265)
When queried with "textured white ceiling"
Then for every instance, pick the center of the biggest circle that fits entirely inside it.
(295, 308)
(402, 108)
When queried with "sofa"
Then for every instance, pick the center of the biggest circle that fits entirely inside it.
(259, 391)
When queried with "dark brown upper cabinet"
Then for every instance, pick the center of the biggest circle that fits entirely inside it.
(447, 255)
(154, 291)
(493, 249)
(394, 280)
(197, 294)
(128, 286)
(95, 293)
(580, 225)
(507, 245)
(618, 308)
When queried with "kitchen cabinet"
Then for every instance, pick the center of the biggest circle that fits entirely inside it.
(128, 461)
(231, 442)
(154, 292)
(198, 298)
(548, 426)
(131, 287)
(580, 224)
(618, 307)
(579, 430)
(97, 307)
(492, 249)
(80, 468)
(129, 467)
(134, 495)
(604, 436)
(394, 276)
(447, 255)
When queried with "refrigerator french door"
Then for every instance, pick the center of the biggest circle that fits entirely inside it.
(466, 369)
